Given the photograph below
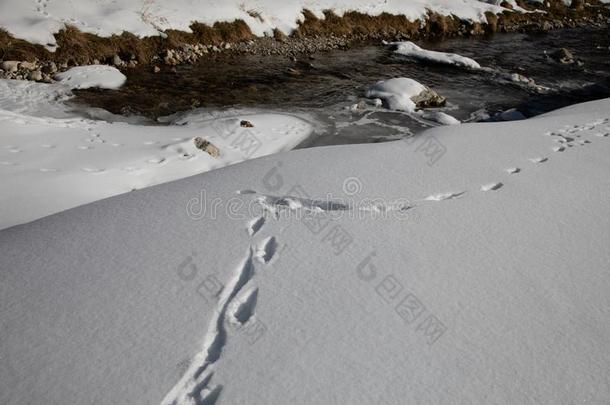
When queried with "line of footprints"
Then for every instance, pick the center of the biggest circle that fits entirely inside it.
(566, 137)
(237, 301)
(235, 308)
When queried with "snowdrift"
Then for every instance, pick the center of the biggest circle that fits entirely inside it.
(466, 265)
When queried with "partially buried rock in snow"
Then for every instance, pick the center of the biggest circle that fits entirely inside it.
(206, 146)
(405, 94)
(246, 124)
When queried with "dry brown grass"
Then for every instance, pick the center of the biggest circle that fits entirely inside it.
(76, 47)
(353, 23)
(18, 49)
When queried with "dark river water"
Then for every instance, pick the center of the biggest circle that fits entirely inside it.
(325, 85)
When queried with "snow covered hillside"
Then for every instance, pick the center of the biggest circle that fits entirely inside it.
(37, 21)
(468, 265)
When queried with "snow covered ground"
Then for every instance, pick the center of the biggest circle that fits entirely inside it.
(468, 265)
(37, 21)
(52, 159)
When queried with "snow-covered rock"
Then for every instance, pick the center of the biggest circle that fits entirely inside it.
(404, 94)
(84, 77)
(409, 49)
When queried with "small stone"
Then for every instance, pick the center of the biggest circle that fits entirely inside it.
(35, 75)
(50, 68)
(156, 69)
(206, 146)
(246, 124)
(116, 60)
(428, 98)
(28, 65)
(10, 66)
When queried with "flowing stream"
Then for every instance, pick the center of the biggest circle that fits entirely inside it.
(325, 86)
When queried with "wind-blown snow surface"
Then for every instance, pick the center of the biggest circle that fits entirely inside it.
(485, 281)
(51, 159)
(37, 21)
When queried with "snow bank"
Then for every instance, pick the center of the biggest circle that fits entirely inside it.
(84, 77)
(51, 159)
(411, 50)
(36, 22)
(397, 92)
(465, 264)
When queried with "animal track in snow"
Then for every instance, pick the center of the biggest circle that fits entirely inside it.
(274, 205)
(559, 149)
(491, 186)
(194, 384)
(266, 250)
(42, 6)
(243, 192)
(539, 159)
(444, 196)
(599, 134)
(156, 160)
(513, 170)
(294, 203)
(243, 306)
(255, 225)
